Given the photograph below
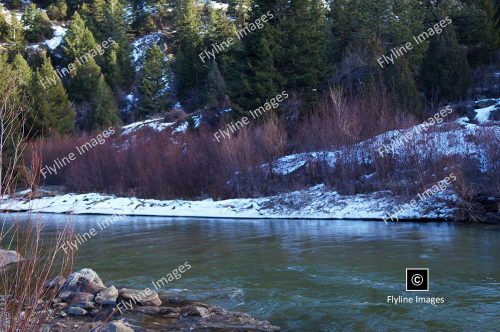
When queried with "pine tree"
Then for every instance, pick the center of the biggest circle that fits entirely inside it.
(216, 87)
(105, 109)
(152, 82)
(440, 77)
(190, 73)
(22, 70)
(58, 11)
(52, 111)
(79, 39)
(37, 24)
(402, 87)
(302, 52)
(15, 36)
(4, 27)
(82, 86)
(240, 9)
(261, 79)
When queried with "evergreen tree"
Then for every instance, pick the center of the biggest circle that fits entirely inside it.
(4, 27)
(58, 11)
(152, 82)
(22, 70)
(216, 88)
(402, 87)
(190, 73)
(51, 108)
(261, 79)
(82, 86)
(79, 39)
(15, 36)
(302, 53)
(105, 109)
(240, 10)
(37, 24)
(440, 77)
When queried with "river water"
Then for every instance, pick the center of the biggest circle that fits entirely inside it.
(307, 275)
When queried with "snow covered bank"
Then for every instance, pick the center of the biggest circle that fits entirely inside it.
(315, 203)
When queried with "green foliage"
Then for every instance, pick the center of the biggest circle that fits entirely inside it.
(445, 70)
(190, 73)
(105, 109)
(58, 11)
(22, 70)
(4, 27)
(240, 9)
(37, 24)
(216, 87)
(152, 82)
(51, 110)
(302, 53)
(15, 37)
(79, 39)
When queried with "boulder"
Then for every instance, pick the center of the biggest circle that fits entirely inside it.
(79, 296)
(87, 305)
(88, 286)
(107, 296)
(75, 311)
(9, 257)
(143, 298)
(72, 284)
(115, 326)
(56, 282)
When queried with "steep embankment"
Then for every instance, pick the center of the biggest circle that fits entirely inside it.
(461, 138)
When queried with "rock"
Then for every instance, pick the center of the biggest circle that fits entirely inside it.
(79, 296)
(60, 306)
(88, 286)
(56, 282)
(173, 300)
(144, 298)
(64, 295)
(87, 305)
(9, 257)
(192, 310)
(72, 284)
(485, 103)
(116, 326)
(75, 311)
(158, 310)
(107, 296)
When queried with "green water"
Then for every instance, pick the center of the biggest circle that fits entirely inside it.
(307, 275)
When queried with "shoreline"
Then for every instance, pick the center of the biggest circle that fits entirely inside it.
(316, 203)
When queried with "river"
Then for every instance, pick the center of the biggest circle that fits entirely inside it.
(306, 275)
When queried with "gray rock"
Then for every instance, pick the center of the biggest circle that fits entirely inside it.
(115, 326)
(80, 296)
(64, 295)
(72, 284)
(9, 257)
(56, 282)
(75, 311)
(88, 286)
(87, 305)
(107, 296)
(142, 298)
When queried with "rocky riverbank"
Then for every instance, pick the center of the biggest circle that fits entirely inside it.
(84, 303)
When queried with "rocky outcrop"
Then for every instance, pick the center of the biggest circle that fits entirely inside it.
(85, 303)
(9, 257)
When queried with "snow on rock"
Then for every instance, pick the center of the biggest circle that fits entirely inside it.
(315, 203)
(141, 45)
(156, 124)
(59, 34)
(455, 138)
